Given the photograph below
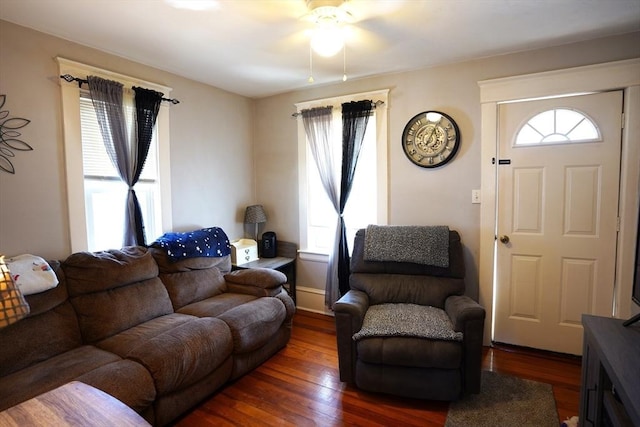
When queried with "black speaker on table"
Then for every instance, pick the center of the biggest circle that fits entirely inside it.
(268, 244)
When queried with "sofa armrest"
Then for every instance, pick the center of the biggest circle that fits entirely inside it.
(468, 317)
(289, 305)
(256, 281)
(349, 314)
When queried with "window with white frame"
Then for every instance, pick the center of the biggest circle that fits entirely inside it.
(104, 191)
(557, 126)
(367, 202)
(96, 195)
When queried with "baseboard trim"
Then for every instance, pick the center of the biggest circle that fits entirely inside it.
(311, 299)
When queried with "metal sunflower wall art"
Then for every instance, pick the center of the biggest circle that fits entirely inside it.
(9, 135)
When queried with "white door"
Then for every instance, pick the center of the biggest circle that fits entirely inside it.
(558, 181)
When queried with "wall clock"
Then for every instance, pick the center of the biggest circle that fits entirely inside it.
(430, 139)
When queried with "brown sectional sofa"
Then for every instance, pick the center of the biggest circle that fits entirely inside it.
(157, 334)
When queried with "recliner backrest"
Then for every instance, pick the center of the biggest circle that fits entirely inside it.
(404, 282)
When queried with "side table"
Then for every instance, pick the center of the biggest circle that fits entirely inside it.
(285, 262)
(73, 404)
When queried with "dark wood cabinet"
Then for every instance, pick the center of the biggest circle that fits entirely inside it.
(610, 393)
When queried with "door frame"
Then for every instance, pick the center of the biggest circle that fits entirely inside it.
(623, 75)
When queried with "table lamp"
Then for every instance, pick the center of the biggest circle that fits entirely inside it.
(13, 306)
(255, 215)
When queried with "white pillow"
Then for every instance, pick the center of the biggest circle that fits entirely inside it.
(31, 274)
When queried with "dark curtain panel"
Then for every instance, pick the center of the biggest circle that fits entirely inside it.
(147, 108)
(355, 116)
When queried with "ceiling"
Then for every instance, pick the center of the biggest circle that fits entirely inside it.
(258, 48)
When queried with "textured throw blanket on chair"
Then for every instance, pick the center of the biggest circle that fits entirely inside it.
(427, 245)
(407, 320)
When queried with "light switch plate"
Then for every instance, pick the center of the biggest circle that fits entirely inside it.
(475, 196)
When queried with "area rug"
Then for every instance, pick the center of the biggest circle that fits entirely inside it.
(505, 401)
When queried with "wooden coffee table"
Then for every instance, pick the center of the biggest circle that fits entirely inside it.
(73, 404)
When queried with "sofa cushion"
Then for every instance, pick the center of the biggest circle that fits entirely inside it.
(38, 338)
(254, 323)
(104, 314)
(114, 290)
(68, 366)
(53, 318)
(88, 272)
(215, 306)
(124, 341)
(126, 380)
(177, 350)
(169, 265)
(191, 279)
(191, 286)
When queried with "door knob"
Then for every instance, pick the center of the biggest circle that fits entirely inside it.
(504, 239)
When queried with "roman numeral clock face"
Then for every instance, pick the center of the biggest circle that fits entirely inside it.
(430, 139)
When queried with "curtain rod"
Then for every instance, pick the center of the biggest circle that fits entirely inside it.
(70, 78)
(373, 104)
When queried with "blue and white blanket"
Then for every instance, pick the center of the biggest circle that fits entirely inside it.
(207, 242)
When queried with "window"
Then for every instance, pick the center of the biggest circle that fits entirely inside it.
(557, 126)
(104, 191)
(368, 199)
(94, 190)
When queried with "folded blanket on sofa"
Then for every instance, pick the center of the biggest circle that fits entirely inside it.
(427, 245)
(207, 242)
(31, 274)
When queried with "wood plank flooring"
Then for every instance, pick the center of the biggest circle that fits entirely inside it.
(300, 386)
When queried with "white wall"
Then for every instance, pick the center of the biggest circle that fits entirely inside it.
(228, 151)
(416, 195)
(210, 142)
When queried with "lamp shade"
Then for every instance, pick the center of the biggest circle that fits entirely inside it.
(13, 306)
(255, 215)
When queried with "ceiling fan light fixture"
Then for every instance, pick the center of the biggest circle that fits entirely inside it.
(328, 36)
(327, 40)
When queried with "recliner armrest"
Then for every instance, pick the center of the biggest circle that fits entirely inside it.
(355, 304)
(349, 315)
(468, 317)
(461, 309)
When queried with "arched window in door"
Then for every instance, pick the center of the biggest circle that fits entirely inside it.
(558, 126)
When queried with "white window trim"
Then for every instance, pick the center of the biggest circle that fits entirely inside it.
(73, 146)
(381, 167)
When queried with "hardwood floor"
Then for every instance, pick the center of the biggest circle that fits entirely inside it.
(300, 386)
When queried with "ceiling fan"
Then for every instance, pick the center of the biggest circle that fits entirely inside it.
(336, 23)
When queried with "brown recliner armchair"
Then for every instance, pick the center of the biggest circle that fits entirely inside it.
(422, 338)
